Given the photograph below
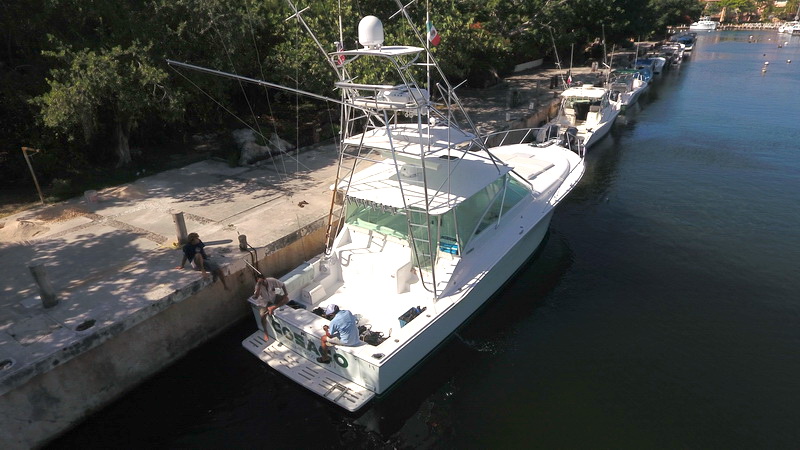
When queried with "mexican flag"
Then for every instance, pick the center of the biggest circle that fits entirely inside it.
(433, 35)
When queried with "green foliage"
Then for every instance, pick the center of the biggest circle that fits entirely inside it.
(738, 5)
(674, 12)
(124, 81)
(100, 78)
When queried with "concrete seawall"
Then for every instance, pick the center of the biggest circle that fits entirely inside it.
(124, 311)
(100, 366)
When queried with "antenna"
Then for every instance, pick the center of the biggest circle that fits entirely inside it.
(605, 50)
(555, 50)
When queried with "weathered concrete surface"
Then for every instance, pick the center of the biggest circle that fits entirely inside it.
(113, 262)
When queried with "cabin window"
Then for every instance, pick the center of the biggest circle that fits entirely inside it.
(385, 220)
(483, 209)
(515, 191)
(450, 231)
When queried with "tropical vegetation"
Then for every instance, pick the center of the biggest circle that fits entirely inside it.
(87, 81)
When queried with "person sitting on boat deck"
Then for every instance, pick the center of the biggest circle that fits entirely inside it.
(194, 253)
(273, 293)
(342, 331)
(269, 295)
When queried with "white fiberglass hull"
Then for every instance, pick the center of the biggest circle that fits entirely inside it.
(594, 135)
(290, 351)
(434, 221)
(373, 265)
(457, 313)
(658, 67)
(629, 98)
(704, 24)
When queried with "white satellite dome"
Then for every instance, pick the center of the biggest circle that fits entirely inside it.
(370, 32)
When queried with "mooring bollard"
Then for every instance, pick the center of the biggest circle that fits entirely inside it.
(46, 291)
(180, 227)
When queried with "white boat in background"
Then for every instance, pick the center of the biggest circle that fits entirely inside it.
(789, 27)
(432, 220)
(688, 39)
(704, 24)
(590, 110)
(659, 64)
(673, 53)
(793, 26)
(626, 85)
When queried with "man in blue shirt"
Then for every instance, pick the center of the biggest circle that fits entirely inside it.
(342, 331)
(194, 253)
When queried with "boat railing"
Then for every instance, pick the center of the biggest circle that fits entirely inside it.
(541, 136)
(512, 137)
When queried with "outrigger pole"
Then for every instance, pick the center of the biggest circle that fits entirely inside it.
(259, 82)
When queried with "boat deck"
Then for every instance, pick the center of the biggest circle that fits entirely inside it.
(345, 393)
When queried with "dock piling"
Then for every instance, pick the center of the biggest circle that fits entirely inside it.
(46, 291)
(180, 227)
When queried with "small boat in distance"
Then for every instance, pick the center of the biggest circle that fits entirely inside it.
(789, 27)
(786, 27)
(688, 40)
(428, 219)
(704, 24)
(673, 53)
(658, 64)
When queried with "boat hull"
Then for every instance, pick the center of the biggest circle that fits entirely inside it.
(375, 379)
(438, 331)
(600, 132)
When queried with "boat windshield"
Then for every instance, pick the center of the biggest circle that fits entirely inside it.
(582, 102)
(451, 230)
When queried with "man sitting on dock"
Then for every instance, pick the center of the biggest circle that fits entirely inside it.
(342, 331)
(194, 253)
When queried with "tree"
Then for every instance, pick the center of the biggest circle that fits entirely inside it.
(674, 12)
(738, 6)
(121, 81)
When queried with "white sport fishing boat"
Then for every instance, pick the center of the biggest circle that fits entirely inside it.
(704, 24)
(432, 220)
(588, 109)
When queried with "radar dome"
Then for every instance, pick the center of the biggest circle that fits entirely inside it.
(370, 32)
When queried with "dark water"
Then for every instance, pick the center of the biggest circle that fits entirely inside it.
(663, 311)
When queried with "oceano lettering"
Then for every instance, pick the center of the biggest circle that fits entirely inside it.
(299, 340)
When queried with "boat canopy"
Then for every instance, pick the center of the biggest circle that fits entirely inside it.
(584, 91)
(412, 139)
(378, 185)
